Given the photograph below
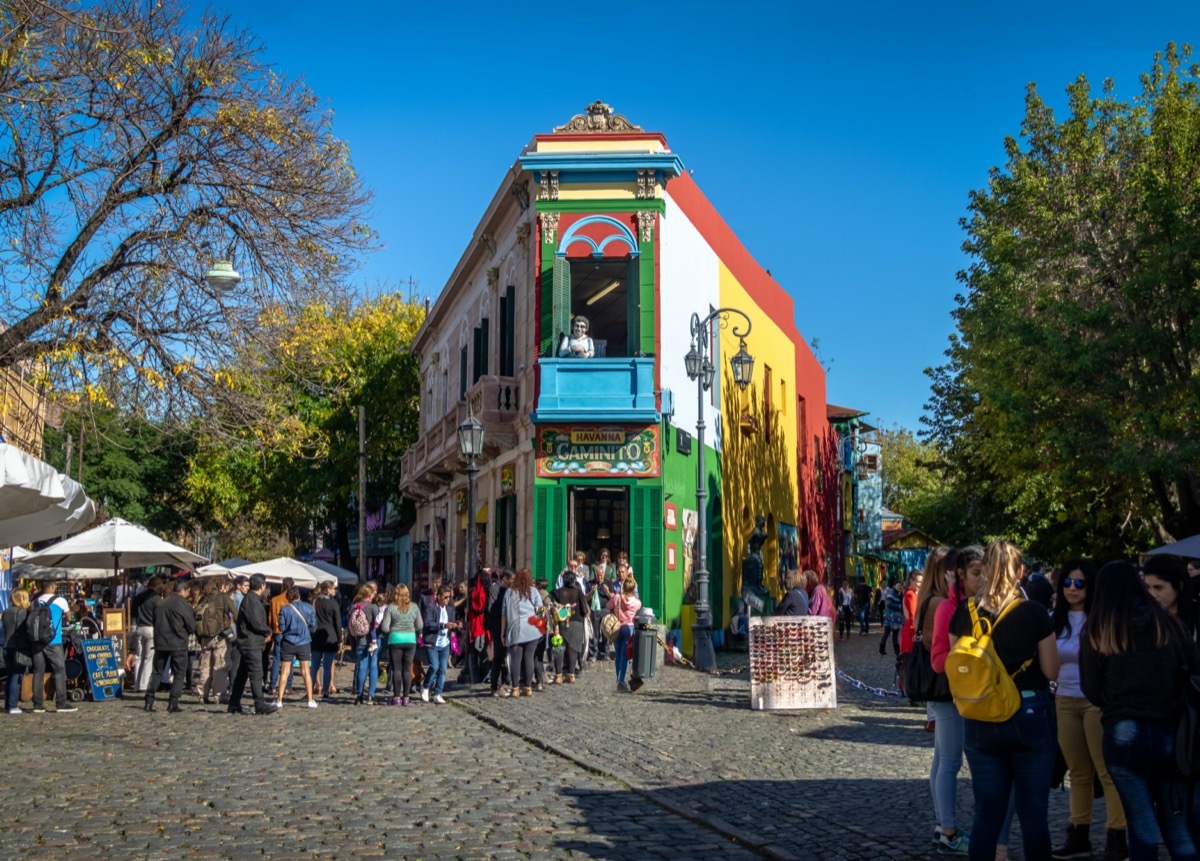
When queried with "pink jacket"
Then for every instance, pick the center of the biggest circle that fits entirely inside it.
(819, 603)
(941, 630)
(625, 608)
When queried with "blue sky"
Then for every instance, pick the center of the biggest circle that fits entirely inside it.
(839, 142)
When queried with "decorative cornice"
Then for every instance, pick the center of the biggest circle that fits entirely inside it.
(549, 227)
(493, 276)
(598, 118)
(523, 234)
(489, 242)
(548, 185)
(646, 183)
(520, 192)
(646, 225)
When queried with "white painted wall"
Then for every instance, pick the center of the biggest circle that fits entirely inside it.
(689, 282)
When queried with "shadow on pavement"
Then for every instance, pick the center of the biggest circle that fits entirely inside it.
(815, 819)
(906, 727)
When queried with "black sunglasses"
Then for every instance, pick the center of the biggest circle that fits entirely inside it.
(1078, 582)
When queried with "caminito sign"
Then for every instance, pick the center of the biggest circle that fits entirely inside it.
(609, 450)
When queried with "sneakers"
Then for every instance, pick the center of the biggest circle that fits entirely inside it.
(274, 704)
(39, 710)
(66, 708)
(438, 699)
(956, 845)
(312, 704)
(15, 712)
(424, 695)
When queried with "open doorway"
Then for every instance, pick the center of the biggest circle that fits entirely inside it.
(598, 519)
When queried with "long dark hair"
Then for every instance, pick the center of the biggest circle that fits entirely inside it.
(1121, 597)
(1062, 623)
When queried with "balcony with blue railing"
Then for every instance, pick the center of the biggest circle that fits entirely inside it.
(596, 389)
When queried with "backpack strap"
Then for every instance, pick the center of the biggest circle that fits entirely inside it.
(917, 637)
(991, 627)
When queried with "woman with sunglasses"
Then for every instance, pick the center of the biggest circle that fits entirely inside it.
(1080, 735)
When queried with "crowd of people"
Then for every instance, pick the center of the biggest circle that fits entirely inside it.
(216, 637)
(1102, 659)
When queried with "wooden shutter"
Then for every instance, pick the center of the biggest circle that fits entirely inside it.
(646, 518)
(549, 530)
(485, 327)
(561, 300)
(507, 331)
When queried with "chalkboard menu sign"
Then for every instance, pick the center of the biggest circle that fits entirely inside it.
(103, 666)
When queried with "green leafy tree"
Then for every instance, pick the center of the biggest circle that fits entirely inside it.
(296, 466)
(913, 485)
(132, 468)
(1070, 401)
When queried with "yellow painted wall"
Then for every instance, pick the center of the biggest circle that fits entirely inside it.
(758, 477)
(597, 190)
(599, 143)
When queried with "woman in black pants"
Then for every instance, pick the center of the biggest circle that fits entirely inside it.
(522, 602)
(404, 622)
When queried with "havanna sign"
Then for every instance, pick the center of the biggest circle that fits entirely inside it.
(607, 451)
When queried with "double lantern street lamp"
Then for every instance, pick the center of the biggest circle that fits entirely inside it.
(470, 443)
(700, 368)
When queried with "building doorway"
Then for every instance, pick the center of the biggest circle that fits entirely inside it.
(598, 518)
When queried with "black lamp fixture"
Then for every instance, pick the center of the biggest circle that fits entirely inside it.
(700, 367)
(470, 437)
(470, 443)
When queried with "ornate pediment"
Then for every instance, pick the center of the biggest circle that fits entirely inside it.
(598, 118)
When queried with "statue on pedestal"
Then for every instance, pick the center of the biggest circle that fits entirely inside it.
(753, 592)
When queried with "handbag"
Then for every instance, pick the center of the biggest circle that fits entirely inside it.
(610, 626)
(921, 683)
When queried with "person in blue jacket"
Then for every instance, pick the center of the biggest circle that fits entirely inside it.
(296, 621)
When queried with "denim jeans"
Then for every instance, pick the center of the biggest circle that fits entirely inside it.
(947, 761)
(864, 619)
(1139, 756)
(435, 678)
(1016, 754)
(52, 657)
(323, 663)
(15, 674)
(366, 671)
(622, 652)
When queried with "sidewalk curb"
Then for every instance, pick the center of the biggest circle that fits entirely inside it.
(741, 837)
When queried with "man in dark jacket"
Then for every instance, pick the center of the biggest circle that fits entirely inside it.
(492, 616)
(252, 631)
(174, 622)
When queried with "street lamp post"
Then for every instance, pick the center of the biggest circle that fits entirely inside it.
(470, 443)
(699, 365)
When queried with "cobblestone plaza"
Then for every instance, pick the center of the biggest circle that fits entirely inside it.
(682, 769)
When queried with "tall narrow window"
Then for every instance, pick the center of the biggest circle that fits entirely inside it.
(462, 374)
(480, 365)
(508, 332)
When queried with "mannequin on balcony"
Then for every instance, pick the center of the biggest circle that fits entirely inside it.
(577, 345)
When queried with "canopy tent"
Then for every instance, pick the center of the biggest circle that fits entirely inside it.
(306, 576)
(324, 555)
(19, 553)
(214, 570)
(36, 502)
(344, 577)
(1189, 548)
(29, 571)
(116, 544)
(233, 562)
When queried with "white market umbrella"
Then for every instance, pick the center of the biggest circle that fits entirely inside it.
(116, 544)
(1189, 548)
(214, 570)
(19, 553)
(29, 571)
(276, 569)
(38, 502)
(344, 577)
(27, 484)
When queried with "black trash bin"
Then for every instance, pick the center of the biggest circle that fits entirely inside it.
(645, 648)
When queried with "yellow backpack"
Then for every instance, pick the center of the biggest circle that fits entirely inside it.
(983, 690)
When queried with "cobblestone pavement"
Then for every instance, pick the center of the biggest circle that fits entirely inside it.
(682, 769)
